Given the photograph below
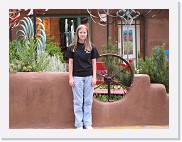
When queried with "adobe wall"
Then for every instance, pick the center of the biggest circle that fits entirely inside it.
(44, 100)
(157, 31)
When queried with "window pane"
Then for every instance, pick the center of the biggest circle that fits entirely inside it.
(128, 40)
(67, 26)
(137, 21)
(67, 31)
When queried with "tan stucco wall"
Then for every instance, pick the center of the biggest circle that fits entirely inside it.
(44, 100)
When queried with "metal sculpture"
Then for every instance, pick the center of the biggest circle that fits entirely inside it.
(25, 30)
(14, 14)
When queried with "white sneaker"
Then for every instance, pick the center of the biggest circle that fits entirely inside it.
(79, 127)
(88, 127)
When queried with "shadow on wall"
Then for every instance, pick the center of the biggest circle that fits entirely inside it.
(44, 100)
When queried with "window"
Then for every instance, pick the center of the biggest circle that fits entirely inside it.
(68, 25)
(129, 40)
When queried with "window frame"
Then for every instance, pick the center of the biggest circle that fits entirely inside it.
(136, 27)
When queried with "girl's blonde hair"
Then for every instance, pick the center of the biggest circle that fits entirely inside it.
(87, 42)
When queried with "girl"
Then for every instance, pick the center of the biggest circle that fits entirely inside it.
(82, 56)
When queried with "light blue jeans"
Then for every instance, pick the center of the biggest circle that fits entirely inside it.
(82, 100)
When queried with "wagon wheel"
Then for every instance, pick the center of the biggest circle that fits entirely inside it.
(114, 74)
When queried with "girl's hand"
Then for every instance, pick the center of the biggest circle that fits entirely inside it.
(93, 81)
(71, 82)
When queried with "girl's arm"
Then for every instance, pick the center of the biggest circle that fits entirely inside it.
(71, 81)
(94, 72)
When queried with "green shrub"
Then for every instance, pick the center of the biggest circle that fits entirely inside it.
(105, 97)
(111, 48)
(53, 48)
(23, 57)
(156, 66)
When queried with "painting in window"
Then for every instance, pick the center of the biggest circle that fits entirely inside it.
(128, 40)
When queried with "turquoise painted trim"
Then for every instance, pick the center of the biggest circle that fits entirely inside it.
(78, 20)
(90, 28)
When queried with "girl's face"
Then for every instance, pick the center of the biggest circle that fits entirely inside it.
(82, 34)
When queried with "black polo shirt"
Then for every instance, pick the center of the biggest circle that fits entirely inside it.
(82, 60)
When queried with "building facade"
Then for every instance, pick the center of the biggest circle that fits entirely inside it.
(135, 35)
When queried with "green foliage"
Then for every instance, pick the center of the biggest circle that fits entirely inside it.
(27, 54)
(23, 57)
(13, 54)
(125, 77)
(111, 48)
(53, 48)
(156, 66)
(105, 97)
